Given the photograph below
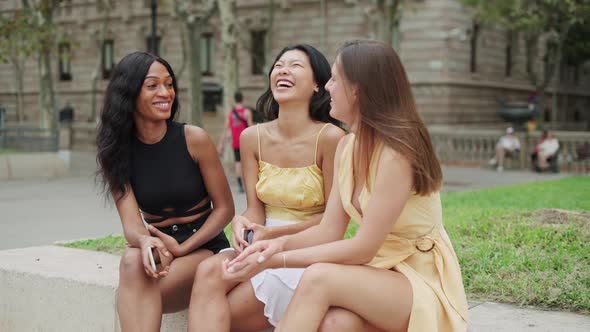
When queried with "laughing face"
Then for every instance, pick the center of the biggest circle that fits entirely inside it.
(157, 94)
(291, 78)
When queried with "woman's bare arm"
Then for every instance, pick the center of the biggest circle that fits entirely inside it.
(203, 152)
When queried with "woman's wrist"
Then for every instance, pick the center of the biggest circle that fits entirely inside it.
(141, 238)
(282, 240)
(277, 261)
(271, 233)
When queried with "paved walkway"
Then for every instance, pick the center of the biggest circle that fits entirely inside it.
(40, 212)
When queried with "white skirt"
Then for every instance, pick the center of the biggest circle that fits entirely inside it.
(275, 287)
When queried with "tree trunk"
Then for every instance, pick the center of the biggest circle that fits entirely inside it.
(195, 87)
(96, 74)
(541, 105)
(532, 53)
(46, 92)
(324, 25)
(556, 88)
(183, 49)
(18, 77)
(269, 36)
(47, 105)
(229, 41)
(562, 36)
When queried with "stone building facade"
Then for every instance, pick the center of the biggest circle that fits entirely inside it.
(457, 70)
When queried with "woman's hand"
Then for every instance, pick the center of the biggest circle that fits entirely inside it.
(253, 259)
(147, 243)
(249, 267)
(170, 243)
(238, 224)
(260, 232)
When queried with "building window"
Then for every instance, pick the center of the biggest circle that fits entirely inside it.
(474, 38)
(108, 58)
(509, 48)
(65, 65)
(257, 49)
(207, 54)
(148, 45)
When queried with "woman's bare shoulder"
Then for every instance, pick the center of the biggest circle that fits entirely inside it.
(195, 134)
(332, 133)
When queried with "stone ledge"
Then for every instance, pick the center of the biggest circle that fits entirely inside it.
(32, 165)
(55, 288)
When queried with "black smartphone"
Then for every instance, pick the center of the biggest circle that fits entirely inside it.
(248, 235)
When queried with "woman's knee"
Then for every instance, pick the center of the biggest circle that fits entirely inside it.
(338, 319)
(131, 265)
(315, 276)
(209, 272)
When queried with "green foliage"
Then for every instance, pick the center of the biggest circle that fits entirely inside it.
(19, 36)
(530, 16)
(576, 48)
(28, 30)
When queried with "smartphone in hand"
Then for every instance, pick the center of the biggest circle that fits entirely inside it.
(248, 235)
(152, 261)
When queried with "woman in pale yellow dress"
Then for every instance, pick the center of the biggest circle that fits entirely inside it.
(399, 272)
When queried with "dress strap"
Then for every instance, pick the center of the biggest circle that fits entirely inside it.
(315, 155)
(258, 135)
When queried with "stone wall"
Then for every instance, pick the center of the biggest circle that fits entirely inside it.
(435, 49)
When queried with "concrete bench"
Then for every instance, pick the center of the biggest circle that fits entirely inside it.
(55, 288)
(61, 289)
(32, 165)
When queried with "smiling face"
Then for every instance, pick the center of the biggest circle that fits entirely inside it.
(291, 78)
(157, 94)
(342, 96)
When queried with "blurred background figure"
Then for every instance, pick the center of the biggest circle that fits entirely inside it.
(238, 119)
(545, 153)
(507, 146)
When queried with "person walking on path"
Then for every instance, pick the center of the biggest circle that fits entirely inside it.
(238, 119)
(166, 174)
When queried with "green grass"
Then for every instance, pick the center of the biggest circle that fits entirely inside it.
(7, 151)
(113, 244)
(510, 247)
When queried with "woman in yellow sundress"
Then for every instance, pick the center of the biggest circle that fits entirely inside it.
(287, 165)
(399, 272)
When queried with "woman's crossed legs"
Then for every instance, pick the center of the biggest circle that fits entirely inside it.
(364, 295)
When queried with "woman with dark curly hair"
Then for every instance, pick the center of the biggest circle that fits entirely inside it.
(167, 173)
(287, 165)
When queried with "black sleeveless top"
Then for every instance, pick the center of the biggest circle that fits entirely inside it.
(165, 176)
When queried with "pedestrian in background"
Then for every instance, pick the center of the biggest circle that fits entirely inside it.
(238, 119)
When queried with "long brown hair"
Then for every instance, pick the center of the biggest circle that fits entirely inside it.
(387, 112)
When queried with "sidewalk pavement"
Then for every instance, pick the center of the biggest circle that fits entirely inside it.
(41, 212)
